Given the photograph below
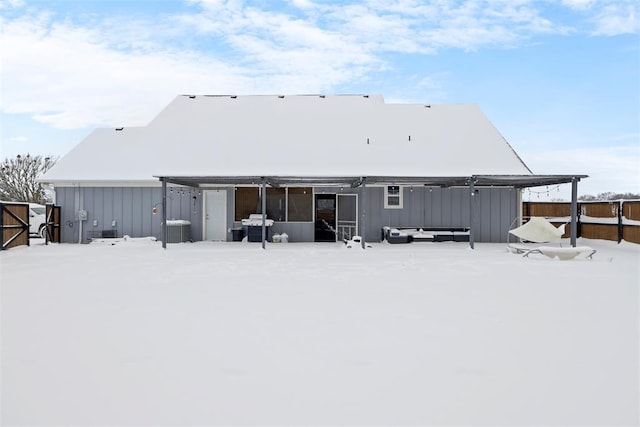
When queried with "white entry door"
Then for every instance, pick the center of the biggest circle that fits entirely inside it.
(215, 215)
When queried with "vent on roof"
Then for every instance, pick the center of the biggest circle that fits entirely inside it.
(366, 96)
(119, 129)
(322, 96)
(234, 96)
(192, 96)
(280, 96)
(427, 106)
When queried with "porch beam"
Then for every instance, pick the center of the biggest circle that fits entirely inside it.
(273, 182)
(183, 182)
(516, 181)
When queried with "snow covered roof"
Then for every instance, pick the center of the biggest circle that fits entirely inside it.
(296, 136)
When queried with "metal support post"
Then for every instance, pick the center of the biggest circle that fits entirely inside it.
(574, 210)
(264, 212)
(164, 214)
(472, 197)
(364, 214)
(620, 223)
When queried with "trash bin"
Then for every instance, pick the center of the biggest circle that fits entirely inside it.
(237, 234)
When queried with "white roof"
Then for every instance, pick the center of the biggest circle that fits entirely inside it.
(303, 135)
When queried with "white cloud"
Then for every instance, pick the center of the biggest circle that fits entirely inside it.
(11, 4)
(609, 17)
(618, 19)
(75, 72)
(377, 26)
(69, 76)
(579, 4)
(18, 139)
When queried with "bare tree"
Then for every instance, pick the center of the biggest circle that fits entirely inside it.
(18, 178)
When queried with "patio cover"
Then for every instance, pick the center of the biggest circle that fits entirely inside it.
(515, 181)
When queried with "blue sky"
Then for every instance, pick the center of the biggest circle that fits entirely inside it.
(559, 79)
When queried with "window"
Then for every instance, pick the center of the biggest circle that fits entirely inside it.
(300, 204)
(247, 201)
(276, 204)
(290, 204)
(393, 197)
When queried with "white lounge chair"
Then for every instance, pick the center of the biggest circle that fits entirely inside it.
(562, 253)
(540, 230)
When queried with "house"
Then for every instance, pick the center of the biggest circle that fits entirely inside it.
(330, 167)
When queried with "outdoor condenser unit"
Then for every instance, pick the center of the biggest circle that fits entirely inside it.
(178, 231)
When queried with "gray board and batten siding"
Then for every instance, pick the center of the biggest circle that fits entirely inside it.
(119, 211)
(124, 211)
(495, 210)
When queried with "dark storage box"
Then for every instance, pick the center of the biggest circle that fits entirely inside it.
(399, 239)
(109, 234)
(254, 233)
(237, 234)
(460, 236)
(443, 236)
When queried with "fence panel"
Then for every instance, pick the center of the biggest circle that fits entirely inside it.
(14, 223)
(609, 220)
(53, 223)
(599, 231)
(631, 233)
(599, 220)
(600, 209)
(631, 221)
(546, 209)
(631, 210)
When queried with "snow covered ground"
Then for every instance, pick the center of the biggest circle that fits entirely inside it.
(318, 334)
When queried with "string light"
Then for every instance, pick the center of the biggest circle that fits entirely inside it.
(547, 191)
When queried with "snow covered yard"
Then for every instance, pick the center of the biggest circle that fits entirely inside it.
(300, 334)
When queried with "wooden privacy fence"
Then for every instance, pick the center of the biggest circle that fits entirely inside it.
(615, 220)
(14, 224)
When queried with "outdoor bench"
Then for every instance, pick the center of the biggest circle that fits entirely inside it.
(425, 234)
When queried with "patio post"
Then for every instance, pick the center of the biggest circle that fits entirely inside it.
(472, 196)
(264, 211)
(364, 214)
(574, 210)
(164, 213)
